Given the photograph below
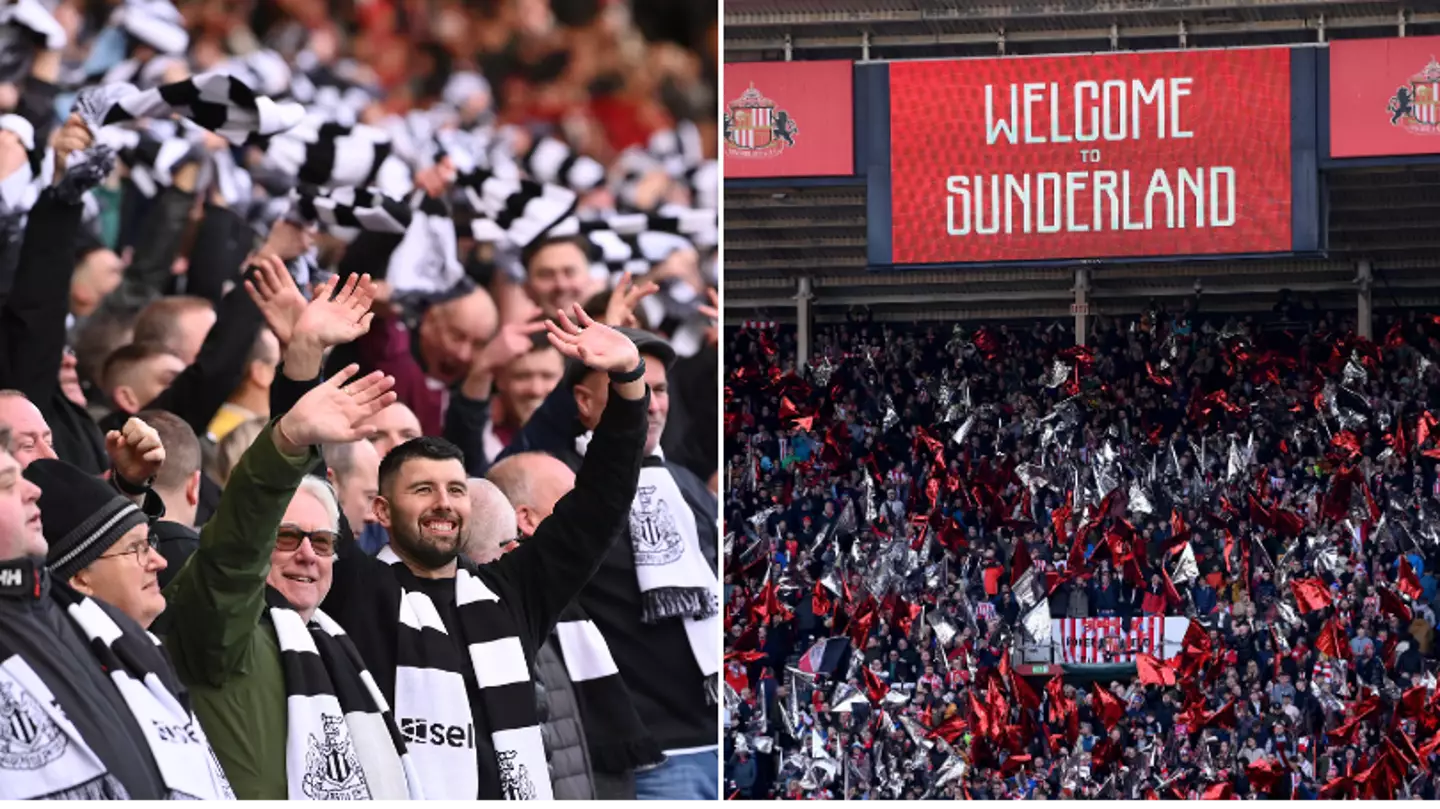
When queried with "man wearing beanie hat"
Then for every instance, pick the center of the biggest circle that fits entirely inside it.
(93, 710)
(655, 597)
(99, 541)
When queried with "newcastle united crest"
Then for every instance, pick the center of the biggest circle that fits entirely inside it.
(755, 127)
(1416, 105)
(515, 783)
(29, 739)
(332, 769)
(653, 530)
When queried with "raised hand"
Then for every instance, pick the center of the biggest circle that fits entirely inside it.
(712, 334)
(73, 137)
(512, 341)
(331, 412)
(275, 294)
(626, 295)
(135, 451)
(595, 344)
(337, 316)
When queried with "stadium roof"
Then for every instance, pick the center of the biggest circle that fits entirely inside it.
(779, 233)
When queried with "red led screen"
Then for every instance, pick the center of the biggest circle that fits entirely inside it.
(1153, 154)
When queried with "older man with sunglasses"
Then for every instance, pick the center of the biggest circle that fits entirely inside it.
(275, 683)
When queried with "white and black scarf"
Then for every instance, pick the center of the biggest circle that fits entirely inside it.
(346, 207)
(615, 736)
(51, 760)
(342, 742)
(430, 691)
(222, 104)
(675, 580)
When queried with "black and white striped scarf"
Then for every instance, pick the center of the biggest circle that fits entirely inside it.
(357, 208)
(513, 210)
(551, 160)
(616, 738)
(430, 691)
(220, 103)
(329, 154)
(342, 742)
(44, 755)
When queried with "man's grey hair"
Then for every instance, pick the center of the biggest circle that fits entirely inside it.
(320, 489)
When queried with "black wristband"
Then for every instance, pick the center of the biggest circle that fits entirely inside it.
(126, 487)
(629, 376)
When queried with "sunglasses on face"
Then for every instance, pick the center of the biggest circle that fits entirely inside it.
(289, 538)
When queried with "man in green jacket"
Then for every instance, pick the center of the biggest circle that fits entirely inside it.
(279, 688)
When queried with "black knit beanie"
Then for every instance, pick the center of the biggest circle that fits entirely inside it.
(83, 516)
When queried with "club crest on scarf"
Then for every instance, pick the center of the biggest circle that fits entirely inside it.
(332, 768)
(29, 740)
(652, 527)
(515, 783)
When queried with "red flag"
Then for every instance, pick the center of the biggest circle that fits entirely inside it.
(1107, 705)
(1310, 594)
(1059, 518)
(980, 714)
(875, 688)
(1179, 532)
(820, 601)
(999, 707)
(1172, 596)
(1263, 774)
(1224, 716)
(1332, 640)
(1423, 428)
(1195, 651)
(1408, 582)
(1153, 671)
(861, 622)
(1412, 702)
(1222, 791)
(1024, 693)
(1392, 604)
(950, 730)
(788, 410)
(736, 676)
(1341, 787)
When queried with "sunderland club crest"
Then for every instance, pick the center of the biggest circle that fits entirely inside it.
(653, 530)
(755, 127)
(332, 769)
(29, 739)
(1416, 106)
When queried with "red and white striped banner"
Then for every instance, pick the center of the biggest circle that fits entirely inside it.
(1106, 640)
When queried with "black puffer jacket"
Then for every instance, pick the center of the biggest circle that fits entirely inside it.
(560, 724)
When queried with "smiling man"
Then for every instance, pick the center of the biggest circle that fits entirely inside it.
(99, 541)
(272, 676)
(453, 645)
(89, 689)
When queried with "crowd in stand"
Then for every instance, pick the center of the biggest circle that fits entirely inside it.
(358, 394)
(914, 513)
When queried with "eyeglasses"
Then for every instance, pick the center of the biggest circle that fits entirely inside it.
(289, 537)
(151, 543)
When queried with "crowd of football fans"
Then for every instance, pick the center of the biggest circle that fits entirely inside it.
(925, 499)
